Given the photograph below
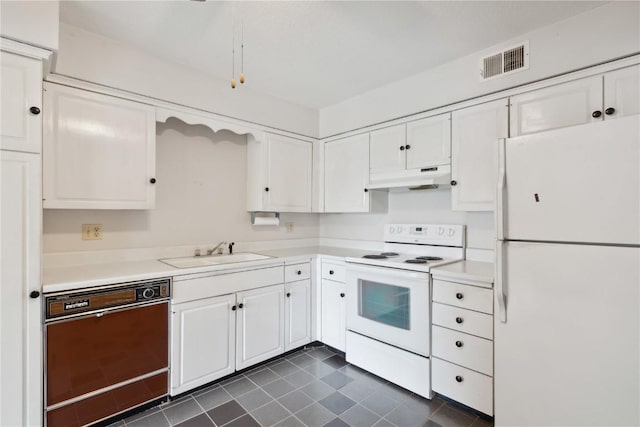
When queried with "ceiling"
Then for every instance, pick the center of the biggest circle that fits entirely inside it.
(316, 53)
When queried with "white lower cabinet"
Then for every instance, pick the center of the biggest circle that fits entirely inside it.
(260, 325)
(333, 306)
(204, 345)
(297, 314)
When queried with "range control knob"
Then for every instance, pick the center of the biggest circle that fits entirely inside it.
(451, 232)
(440, 231)
(148, 293)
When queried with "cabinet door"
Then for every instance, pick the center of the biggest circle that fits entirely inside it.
(297, 314)
(260, 329)
(622, 92)
(346, 174)
(333, 314)
(21, 88)
(202, 342)
(566, 104)
(20, 316)
(98, 151)
(386, 150)
(429, 142)
(475, 132)
(289, 174)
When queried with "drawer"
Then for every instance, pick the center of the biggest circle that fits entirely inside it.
(468, 321)
(332, 271)
(465, 296)
(463, 349)
(464, 385)
(296, 272)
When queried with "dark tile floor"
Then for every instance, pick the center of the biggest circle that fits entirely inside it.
(310, 387)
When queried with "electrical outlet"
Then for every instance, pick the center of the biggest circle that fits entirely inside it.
(289, 227)
(91, 231)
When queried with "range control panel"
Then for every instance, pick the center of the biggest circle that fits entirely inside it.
(425, 234)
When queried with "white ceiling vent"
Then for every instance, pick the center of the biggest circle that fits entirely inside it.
(508, 61)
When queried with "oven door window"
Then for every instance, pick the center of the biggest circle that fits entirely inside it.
(384, 303)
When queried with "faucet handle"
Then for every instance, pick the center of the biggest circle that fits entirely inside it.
(231, 247)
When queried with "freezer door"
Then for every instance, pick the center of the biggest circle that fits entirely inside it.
(577, 184)
(568, 354)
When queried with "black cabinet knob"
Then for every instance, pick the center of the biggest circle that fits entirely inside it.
(240, 305)
(459, 344)
(152, 180)
(34, 294)
(330, 271)
(266, 188)
(233, 308)
(299, 272)
(459, 378)
(609, 111)
(454, 183)
(407, 146)
(34, 110)
(459, 320)
(596, 114)
(402, 148)
(459, 295)
(342, 295)
(288, 294)
(366, 190)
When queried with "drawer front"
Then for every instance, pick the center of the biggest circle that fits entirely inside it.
(297, 272)
(463, 349)
(461, 384)
(332, 271)
(468, 321)
(464, 296)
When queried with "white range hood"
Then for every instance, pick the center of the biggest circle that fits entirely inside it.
(415, 179)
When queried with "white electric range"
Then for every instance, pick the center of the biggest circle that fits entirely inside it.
(389, 300)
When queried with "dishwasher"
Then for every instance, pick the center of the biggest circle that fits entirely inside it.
(106, 351)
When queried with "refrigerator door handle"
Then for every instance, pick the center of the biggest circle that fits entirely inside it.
(502, 184)
(500, 285)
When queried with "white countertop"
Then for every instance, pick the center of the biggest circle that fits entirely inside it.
(71, 277)
(474, 272)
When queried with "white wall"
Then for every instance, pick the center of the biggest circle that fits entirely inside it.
(97, 59)
(427, 206)
(601, 34)
(200, 199)
(32, 22)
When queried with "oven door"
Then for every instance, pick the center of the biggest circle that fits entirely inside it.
(390, 305)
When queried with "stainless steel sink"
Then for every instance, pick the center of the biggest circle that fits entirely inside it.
(202, 261)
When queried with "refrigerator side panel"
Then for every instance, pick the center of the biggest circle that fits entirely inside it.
(568, 353)
(577, 184)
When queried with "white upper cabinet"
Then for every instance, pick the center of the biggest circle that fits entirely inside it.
(98, 151)
(474, 139)
(21, 88)
(429, 142)
(622, 92)
(577, 102)
(410, 150)
(279, 174)
(346, 174)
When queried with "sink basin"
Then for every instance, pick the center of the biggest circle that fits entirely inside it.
(202, 261)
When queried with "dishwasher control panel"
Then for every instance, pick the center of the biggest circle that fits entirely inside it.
(61, 305)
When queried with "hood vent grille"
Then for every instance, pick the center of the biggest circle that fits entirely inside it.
(506, 62)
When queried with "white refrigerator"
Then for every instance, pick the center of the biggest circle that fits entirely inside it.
(567, 324)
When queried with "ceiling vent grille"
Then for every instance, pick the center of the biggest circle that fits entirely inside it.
(508, 61)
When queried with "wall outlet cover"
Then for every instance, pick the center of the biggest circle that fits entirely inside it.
(91, 231)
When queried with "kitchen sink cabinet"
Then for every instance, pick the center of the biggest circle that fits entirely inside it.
(407, 149)
(204, 346)
(98, 151)
(333, 305)
(474, 138)
(260, 325)
(297, 316)
(601, 97)
(279, 174)
(346, 174)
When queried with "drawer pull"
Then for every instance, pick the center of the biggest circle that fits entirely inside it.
(459, 320)
(459, 378)
(330, 271)
(342, 295)
(299, 272)
(459, 295)
(459, 344)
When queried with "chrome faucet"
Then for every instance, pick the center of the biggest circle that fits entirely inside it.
(217, 248)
